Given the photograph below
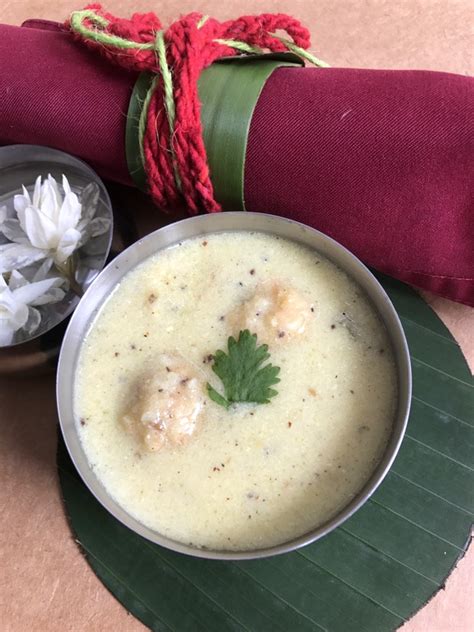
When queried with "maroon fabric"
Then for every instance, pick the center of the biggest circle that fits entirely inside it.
(380, 160)
(55, 92)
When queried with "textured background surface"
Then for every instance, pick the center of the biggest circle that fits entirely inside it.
(45, 583)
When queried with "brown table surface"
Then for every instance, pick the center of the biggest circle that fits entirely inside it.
(45, 583)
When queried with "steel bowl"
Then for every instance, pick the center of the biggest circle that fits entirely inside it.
(201, 226)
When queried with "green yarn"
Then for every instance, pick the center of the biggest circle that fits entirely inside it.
(301, 52)
(167, 79)
(242, 46)
(168, 99)
(78, 26)
(78, 17)
(202, 21)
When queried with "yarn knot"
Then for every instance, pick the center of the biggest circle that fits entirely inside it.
(170, 132)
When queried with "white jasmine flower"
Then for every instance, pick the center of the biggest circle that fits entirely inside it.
(50, 225)
(18, 299)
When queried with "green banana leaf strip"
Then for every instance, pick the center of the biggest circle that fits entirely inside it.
(132, 142)
(371, 574)
(229, 91)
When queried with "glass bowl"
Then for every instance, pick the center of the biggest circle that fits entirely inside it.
(21, 165)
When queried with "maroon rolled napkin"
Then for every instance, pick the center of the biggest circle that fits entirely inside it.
(380, 160)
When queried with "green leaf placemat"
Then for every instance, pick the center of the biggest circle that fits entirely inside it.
(371, 574)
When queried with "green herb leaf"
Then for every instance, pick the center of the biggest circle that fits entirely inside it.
(242, 374)
(216, 397)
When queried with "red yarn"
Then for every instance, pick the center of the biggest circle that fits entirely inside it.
(190, 49)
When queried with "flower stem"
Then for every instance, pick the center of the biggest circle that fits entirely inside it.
(75, 287)
(68, 271)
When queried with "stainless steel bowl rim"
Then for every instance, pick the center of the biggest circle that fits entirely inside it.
(203, 225)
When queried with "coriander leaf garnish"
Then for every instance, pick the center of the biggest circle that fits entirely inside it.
(242, 374)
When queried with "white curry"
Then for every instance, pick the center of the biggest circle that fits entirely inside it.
(254, 475)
